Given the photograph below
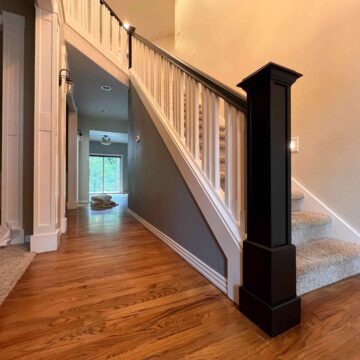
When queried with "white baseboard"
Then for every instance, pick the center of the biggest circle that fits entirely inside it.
(17, 236)
(214, 277)
(63, 226)
(72, 205)
(339, 228)
(45, 242)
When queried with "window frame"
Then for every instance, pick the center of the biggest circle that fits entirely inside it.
(119, 156)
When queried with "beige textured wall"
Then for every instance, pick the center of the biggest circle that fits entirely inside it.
(153, 19)
(317, 38)
(166, 43)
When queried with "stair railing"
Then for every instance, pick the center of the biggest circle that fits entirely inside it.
(243, 160)
(207, 116)
(98, 24)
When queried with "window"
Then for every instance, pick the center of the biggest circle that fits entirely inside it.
(105, 174)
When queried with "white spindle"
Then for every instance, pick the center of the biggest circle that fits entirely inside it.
(206, 131)
(195, 115)
(215, 141)
(241, 168)
(171, 93)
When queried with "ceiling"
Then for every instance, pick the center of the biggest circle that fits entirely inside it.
(153, 19)
(89, 97)
(115, 137)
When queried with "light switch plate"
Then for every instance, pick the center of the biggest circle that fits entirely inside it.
(294, 145)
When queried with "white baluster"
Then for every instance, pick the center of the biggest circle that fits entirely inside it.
(171, 93)
(158, 80)
(151, 61)
(166, 90)
(215, 144)
(176, 99)
(181, 105)
(86, 16)
(230, 184)
(195, 116)
(82, 17)
(241, 168)
(206, 131)
(187, 101)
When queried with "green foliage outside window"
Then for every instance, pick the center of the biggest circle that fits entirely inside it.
(104, 174)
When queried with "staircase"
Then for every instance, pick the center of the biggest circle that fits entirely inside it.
(234, 155)
(320, 260)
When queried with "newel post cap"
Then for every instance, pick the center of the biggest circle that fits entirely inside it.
(270, 71)
(130, 29)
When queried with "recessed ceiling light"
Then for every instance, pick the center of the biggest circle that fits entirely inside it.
(103, 110)
(106, 88)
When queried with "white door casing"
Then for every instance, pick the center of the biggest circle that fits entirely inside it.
(62, 143)
(12, 124)
(72, 159)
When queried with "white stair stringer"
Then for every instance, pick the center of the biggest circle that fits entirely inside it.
(210, 202)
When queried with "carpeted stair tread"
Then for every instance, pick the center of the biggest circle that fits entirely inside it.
(304, 219)
(296, 195)
(324, 261)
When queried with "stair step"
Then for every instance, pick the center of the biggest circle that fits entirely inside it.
(325, 261)
(296, 200)
(308, 226)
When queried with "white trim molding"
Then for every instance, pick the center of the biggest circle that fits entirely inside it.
(225, 230)
(62, 142)
(339, 228)
(12, 124)
(214, 277)
(73, 159)
(45, 242)
(46, 142)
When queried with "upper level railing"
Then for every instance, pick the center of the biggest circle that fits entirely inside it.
(207, 117)
(98, 24)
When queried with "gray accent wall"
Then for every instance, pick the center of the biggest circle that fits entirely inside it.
(113, 149)
(159, 194)
(26, 8)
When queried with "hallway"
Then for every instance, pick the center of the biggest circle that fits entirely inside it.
(113, 290)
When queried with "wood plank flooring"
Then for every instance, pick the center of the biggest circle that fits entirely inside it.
(114, 291)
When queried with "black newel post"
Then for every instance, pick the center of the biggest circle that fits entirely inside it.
(130, 30)
(268, 295)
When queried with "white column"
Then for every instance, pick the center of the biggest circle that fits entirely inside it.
(62, 146)
(12, 124)
(72, 160)
(46, 227)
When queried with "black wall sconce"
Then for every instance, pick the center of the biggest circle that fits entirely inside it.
(64, 74)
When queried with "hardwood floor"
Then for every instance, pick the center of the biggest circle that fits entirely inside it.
(114, 291)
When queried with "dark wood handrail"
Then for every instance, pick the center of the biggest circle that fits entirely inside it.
(231, 96)
(112, 13)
